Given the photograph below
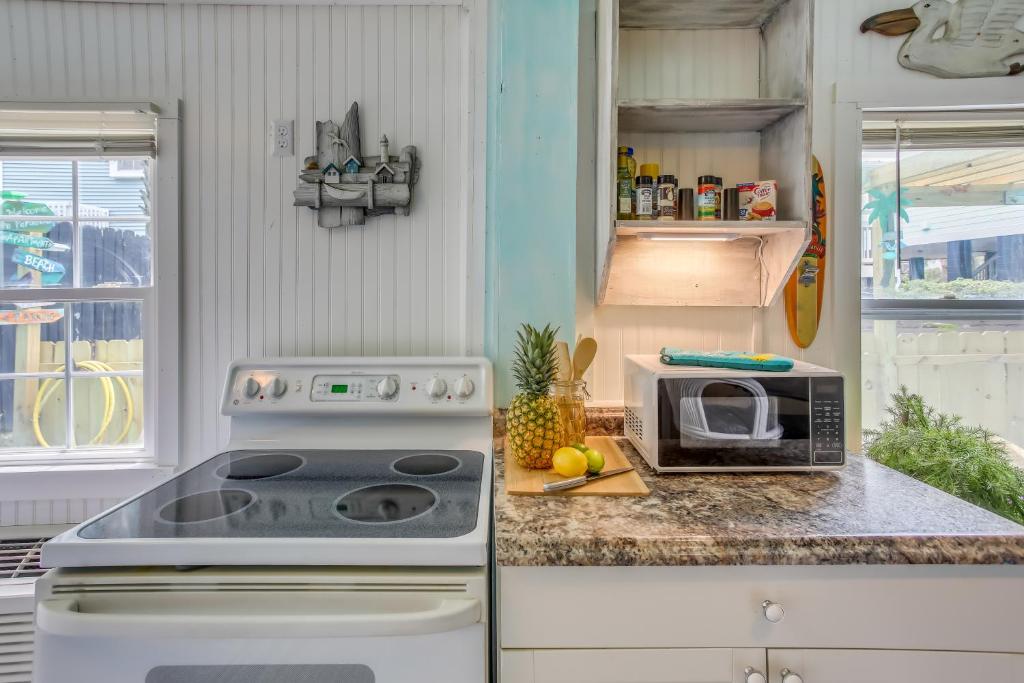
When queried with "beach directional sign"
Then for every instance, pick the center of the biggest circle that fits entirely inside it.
(53, 272)
(14, 204)
(31, 316)
(30, 241)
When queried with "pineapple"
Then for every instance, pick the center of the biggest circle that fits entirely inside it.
(534, 426)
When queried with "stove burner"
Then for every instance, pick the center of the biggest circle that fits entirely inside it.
(202, 507)
(261, 466)
(426, 464)
(385, 503)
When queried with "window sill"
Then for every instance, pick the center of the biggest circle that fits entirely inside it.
(76, 481)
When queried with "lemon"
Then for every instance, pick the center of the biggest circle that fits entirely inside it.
(595, 461)
(569, 462)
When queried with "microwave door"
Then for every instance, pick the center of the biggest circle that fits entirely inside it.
(733, 422)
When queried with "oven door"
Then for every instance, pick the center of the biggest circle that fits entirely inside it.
(248, 636)
(730, 423)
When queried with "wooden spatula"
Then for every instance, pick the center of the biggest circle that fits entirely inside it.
(586, 349)
(564, 364)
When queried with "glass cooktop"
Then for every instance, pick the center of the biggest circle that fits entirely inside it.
(308, 494)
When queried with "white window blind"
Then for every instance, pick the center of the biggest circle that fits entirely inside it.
(64, 132)
(944, 134)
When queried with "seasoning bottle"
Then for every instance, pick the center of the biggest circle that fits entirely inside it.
(666, 210)
(654, 171)
(705, 199)
(644, 198)
(624, 185)
(718, 198)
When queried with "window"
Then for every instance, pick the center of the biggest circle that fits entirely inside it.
(84, 244)
(942, 270)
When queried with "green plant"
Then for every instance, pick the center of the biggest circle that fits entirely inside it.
(940, 450)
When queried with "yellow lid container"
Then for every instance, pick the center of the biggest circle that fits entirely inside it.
(652, 170)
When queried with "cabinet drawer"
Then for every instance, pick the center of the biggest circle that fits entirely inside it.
(708, 665)
(886, 607)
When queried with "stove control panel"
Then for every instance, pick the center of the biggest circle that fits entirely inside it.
(358, 385)
(355, 387)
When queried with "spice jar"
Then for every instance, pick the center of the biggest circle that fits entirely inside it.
(653, 170)
(718, 198)
(667, 198)
(570, 397)
(644, 198)
(705, 199)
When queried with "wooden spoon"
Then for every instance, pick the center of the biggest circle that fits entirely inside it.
(564, 364)
(586, 349)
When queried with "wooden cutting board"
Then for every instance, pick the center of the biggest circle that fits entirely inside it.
(520, 481)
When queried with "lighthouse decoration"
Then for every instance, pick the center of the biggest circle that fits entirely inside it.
(344, 187)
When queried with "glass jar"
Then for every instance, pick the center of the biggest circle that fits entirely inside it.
(570, 398)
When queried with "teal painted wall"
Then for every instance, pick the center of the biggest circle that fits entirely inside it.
(532, 174)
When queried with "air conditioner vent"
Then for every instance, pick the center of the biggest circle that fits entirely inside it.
(634, 424)
(19, 558)
(16, 634)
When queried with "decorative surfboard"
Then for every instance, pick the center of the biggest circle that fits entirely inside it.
(806, 287)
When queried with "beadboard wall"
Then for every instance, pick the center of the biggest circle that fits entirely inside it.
(259, 277)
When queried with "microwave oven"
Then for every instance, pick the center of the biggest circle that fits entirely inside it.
(697, 419)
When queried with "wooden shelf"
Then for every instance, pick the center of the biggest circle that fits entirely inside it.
(752, 228)
(703, 116)
(739, 272)
(674, 14)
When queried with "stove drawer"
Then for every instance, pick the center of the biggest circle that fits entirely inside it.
(224, 636)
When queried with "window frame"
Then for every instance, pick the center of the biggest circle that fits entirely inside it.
(160, 313)
(842, 135)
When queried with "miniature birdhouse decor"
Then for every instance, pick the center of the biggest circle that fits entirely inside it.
(344, 187)
(967, 39)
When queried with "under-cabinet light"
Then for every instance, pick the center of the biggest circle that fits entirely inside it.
(689, 236)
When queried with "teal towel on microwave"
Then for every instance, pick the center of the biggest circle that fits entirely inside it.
(733, 360)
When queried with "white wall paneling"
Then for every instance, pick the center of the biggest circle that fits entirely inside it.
(259, 278)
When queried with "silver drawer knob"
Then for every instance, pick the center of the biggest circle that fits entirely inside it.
(774, 613)
(753, 676)
(790, 677)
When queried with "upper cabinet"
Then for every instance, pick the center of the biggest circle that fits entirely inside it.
(704, 87)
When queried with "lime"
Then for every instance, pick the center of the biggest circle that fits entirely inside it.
(569, 462)
(595, 461)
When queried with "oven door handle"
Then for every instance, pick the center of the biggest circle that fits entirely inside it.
(66, 617)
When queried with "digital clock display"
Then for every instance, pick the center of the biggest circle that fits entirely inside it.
(339, 388)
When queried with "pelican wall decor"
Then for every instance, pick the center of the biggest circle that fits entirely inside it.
(979, 37)
(344, 187)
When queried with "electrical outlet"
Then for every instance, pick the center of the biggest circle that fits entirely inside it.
(284, 140)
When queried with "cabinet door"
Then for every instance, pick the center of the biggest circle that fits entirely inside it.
(711, 665)
(894, 666)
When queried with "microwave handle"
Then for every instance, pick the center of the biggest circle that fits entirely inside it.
(65, 617)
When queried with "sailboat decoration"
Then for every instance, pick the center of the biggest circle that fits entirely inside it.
(345, 187)
(980, 37)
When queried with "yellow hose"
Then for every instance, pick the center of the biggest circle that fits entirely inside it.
(50, 385)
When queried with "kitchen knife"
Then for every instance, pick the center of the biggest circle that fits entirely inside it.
(585, 479)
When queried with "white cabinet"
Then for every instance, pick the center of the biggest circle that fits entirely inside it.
(707, 665)
(894, 666)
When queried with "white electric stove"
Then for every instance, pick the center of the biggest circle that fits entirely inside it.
(347, 519)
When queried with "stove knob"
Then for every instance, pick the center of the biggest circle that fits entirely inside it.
(251, 388)
(464, 387)
(277, 387)
(436, 387)
(387, 387)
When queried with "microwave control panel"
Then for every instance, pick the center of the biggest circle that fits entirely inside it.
(827, 438)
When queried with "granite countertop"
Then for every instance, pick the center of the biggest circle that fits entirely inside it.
(864, 514)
